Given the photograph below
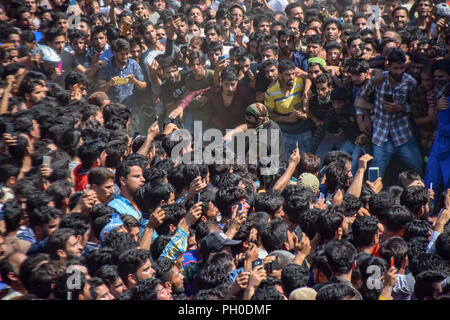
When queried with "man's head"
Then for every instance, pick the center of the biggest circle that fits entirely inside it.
(197, 63)
(314, 46)
(359, 70)
(354, 46)
(229, 82)
(170, 275)
(286, 73)
(396, 64)
(331, 224)
(286, 41)
(170, 70)
(400, 17)
(332, 30)
(56, 39)
(44, 221)
(10, 267)
(92, 151)
(416, 199)
(323, 84)
(365, 231)
(276, 236)
(62, 245)
(121, 51)
(340, 255)
(129, 176)
(98, 38)
(149, 32)
(155, 194)
(339, 99)
(134, 265)
(110, 276)
(360, 22)
(333, 50)
(102, 182)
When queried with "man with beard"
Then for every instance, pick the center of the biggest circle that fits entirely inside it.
(391, 127)
(155, 48)
(257, 118)
(62, 245)
(284, 100)
(177, 37)
(227, 101)
(174, 87)
(400, 18)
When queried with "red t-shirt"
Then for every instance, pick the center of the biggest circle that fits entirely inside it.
(81, 179)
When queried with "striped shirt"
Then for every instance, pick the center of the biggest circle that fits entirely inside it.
(282, 104)
(394, 124)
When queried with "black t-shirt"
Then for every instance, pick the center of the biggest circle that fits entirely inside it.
(69, 62)
(172, 92)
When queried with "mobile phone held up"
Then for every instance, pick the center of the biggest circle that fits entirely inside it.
(373, 174)
(197, 197)
(256, 263)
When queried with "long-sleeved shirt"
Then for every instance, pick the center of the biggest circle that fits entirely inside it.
(224, 117)
(394, 124)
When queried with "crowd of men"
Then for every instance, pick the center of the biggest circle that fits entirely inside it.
(100, 200)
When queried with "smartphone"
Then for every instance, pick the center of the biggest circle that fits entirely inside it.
(122, 81)
(299, 233)
(256, 263)
(135, 135)
(373, 174)
(47, 161)
(257, 184)
(221, 58)
(240, 207)
(323, 170)
(197, 197)
(126, 28)
(156, 118)
(76, 87)
(339, 186)
(271, 266)
(9, 128)
(88, 187)
(431, 185)
(392, 262)
(296, 144)
(388, 98)
(183, 50)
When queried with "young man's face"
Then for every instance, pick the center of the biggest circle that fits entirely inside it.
(323, 90)
(122, 57)
(197, 67)
(78, 46)
(39, 92)
(177, 280)
(358, 79)
(103, 293)
(136, 53)
(158, 5)
(213, 56)
(145, 271)
(424, 8)
(426, 80)
(360, 24)
(73, 247)
(295, 27)
(135, 179)
(49, 228)
(150, 36)
(314, 72)
(253, 47)
(333, 57)
(99, 41)
(287, 78)
(268, 54)
(440, 76)
(172, 74)
(296, 12)
(229, 87)
(313, 50)
(355, 48)
(286, 44)
(104, 191)
(58, 44)
(396, 70)
(348, 16)
(332, 32)
(211, 35)
(117, 287)
(264, 26)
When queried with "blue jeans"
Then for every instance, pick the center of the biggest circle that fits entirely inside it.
(408, 152)
(354, 151)
(438, 166)
(328, 144)
(290, 140)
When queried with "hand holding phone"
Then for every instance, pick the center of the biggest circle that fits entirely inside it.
(197, 197)
(339, 186)
(373, 174)
(122, 81)
(256, 263)
(47, 161)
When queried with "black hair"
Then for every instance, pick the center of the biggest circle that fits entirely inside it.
(340, 256)
(397, 217)
(414, 198)
(364, 228)
(57, 241)
(395, 247)
(294, 276)
(274, 235)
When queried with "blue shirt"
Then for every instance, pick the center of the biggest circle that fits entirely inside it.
(123, 206)
(122, 93)
(301, 60)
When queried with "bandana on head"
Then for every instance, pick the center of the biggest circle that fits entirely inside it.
(317, 60)
(258, 110)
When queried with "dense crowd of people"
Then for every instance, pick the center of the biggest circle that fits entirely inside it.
(110, 188)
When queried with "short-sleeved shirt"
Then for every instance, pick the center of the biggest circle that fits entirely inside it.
(172, 92)
(124, 91)
(69, 62)
(283, 105)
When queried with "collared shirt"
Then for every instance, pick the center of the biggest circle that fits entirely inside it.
(177, 245)
(301, 60)
(123, 206)
(103, 55)
(394, 124)
(124, 91)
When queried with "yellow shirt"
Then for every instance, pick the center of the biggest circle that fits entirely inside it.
(282, 104)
